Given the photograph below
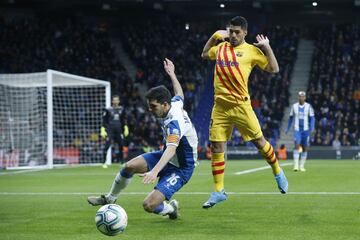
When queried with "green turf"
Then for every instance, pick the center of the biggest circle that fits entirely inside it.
(242, 216)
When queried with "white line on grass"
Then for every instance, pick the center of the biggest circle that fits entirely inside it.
(179, 193)
(103, 174)
(42, 168)
(258, 169)
(23, 171)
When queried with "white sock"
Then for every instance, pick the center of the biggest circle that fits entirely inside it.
(303, 159)
(296, 158)
(120, 182)
(338, 154)
(164, 209)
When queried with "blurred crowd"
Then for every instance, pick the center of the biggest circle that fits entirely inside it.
(334, 86)
(70, 46)
(150, 42)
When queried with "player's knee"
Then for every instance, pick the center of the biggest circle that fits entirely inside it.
(148, 206)
(129, 167)
(259, 142)
(217, 147)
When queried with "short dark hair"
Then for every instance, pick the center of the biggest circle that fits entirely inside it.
(160, 93)
(115, 96)
(239, 21)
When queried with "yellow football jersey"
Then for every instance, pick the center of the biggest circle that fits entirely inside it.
(232, 70)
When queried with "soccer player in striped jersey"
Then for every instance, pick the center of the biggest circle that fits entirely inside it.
(304, 123)
(174, 165)
(234, 60)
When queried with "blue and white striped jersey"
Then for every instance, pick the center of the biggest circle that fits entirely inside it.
(302, 115)
(179, 131)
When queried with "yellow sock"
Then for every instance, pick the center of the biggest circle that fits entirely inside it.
(218, 167)
(268, 153)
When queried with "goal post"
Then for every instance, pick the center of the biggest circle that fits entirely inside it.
(51, 118)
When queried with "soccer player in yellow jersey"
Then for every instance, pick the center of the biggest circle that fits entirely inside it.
(235, 60)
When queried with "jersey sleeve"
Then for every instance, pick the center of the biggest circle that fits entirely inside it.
(212, 52)
(260, 59)
(177, 100)
(311, 112)
(173, 133)
(292, 111)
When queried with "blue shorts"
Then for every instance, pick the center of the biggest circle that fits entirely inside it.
(302, 137)
(171, 178)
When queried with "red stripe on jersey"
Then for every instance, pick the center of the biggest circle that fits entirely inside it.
(237, 67)
(225, 74)
(241, 88)
(220, 78)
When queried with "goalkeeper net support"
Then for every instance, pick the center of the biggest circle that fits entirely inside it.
(51, 118)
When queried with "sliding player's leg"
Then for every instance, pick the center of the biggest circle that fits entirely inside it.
(171, 180)
(121, 181)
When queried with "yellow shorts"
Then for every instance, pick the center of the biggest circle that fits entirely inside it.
(225, 116)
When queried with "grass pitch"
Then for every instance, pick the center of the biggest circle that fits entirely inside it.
(323, 203)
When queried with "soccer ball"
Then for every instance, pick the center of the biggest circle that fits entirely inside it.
(111, 219)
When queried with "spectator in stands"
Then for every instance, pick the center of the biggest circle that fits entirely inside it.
(282, 152)
(334, 84)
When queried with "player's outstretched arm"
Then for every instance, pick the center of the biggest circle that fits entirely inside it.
(170, 70)
(151, 176)
(218, 35)
(264, 43)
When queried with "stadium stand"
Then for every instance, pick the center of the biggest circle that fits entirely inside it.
(334, 85)
(150, 42)
(50, 44)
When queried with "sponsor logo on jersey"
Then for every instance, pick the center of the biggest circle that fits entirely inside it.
(223, 63)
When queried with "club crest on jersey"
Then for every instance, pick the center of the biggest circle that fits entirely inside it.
(175, 131)
(239, 54)
(172, 131)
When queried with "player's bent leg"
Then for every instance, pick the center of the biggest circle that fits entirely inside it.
(155, 203)
(121, 181)
(267, 151)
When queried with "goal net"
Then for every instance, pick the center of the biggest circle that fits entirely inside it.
(51, 118)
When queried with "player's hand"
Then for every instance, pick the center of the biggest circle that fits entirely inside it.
(220, 35)
(169, 66)
(262, 41)
(149, 177)
(103, 132)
